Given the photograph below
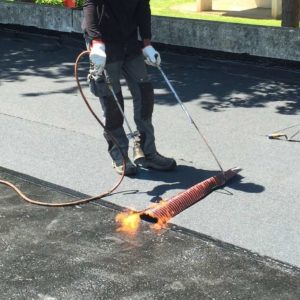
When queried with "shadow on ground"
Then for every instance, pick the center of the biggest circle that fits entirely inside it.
(251, 13)
(184, 177)
(215, 85)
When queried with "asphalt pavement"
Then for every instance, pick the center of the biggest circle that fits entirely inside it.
(47, 132)
(78, 253)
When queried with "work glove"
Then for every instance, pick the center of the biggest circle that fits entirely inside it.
(98, 57)
(152, 57)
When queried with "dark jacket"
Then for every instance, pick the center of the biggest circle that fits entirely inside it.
(117, 20)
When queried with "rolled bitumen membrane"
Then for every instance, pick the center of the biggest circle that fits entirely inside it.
(178, 203)
(76, 253)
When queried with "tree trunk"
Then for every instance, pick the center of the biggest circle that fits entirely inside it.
(290, 13)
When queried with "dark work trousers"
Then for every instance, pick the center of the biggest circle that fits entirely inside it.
(134, 71)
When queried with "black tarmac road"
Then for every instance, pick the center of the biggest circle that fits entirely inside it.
(47, 132)
(76, 253)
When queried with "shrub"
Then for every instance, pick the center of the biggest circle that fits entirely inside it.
(79, 3)
(50, 2)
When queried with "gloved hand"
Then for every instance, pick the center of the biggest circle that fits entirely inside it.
(152, 56)
(98, 57)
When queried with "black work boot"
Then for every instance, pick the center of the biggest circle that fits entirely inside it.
(158, 162)
(130, 168)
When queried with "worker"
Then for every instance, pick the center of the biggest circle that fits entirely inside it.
(111, 30)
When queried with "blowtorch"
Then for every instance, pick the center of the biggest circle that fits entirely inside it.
(138, 154)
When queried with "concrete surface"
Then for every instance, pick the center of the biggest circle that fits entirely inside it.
(47, 132)
(76, 253)
(236, 5)
(250, 13)
(272, 42)
(40, 16)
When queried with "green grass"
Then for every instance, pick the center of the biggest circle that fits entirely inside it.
(162, 8)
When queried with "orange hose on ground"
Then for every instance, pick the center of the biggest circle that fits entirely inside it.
(81, 201)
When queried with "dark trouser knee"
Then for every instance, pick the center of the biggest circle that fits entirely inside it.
(147, 100)
(114, 117)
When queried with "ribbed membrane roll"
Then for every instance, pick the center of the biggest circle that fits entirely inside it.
(168, 209)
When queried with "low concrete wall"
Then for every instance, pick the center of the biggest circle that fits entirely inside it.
(281, 43)
(272, 42)
(40, 16)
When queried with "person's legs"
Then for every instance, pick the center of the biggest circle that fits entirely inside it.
(113, 117)
(135, 73)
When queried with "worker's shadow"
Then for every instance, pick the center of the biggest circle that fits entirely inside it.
(184, 177)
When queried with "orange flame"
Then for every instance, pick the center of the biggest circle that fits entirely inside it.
(128, 222)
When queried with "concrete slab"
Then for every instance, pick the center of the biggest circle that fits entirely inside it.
(41, 16)
(251, 13)
(76, 253)
(47, 132)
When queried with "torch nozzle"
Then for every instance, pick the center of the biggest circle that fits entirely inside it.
(138, 154)
(277, 135)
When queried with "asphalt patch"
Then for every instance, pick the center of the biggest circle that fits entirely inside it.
(76, 253)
